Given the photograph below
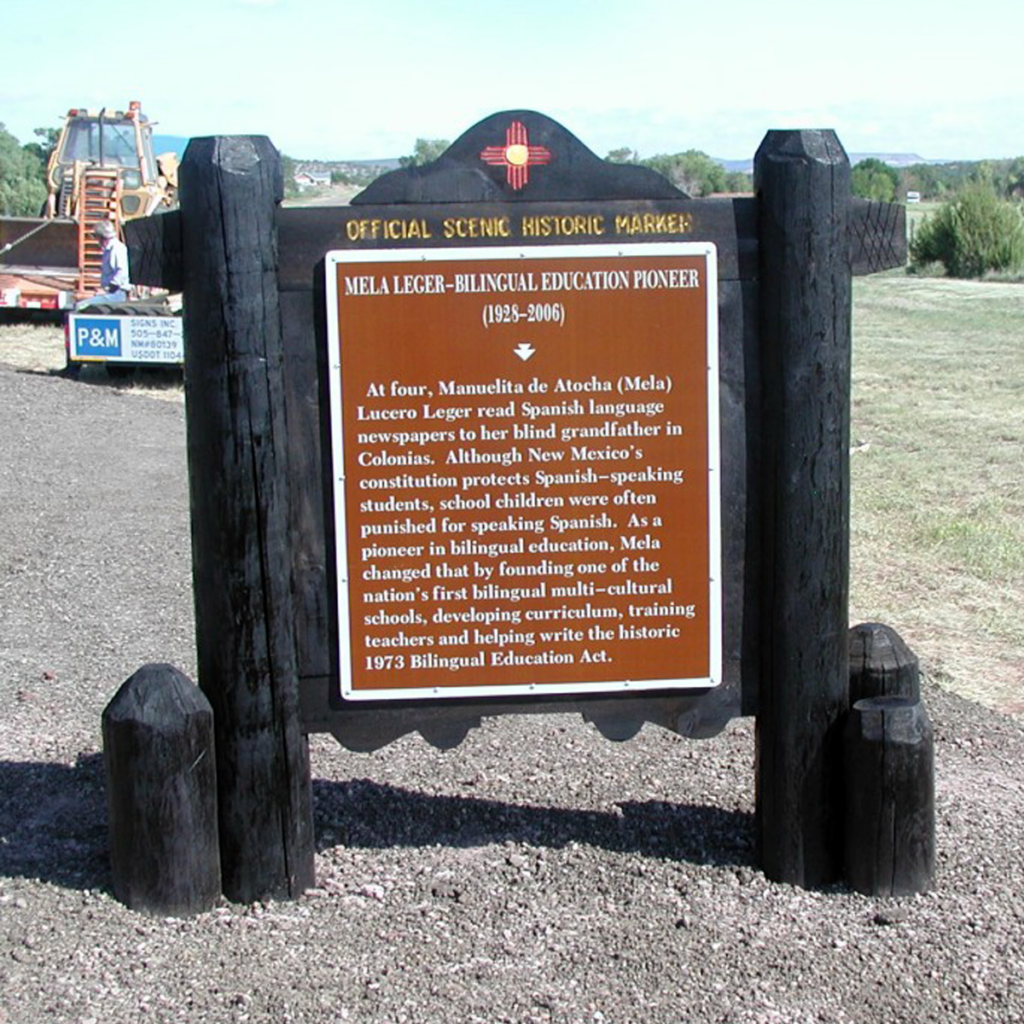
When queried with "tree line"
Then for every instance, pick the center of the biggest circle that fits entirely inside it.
(701, 175)
(23, 172)
(874, 179)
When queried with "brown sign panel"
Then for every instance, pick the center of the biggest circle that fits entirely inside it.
(525, 446)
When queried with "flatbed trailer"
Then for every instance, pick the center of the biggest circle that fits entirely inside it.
(38, 263)
(36, 289)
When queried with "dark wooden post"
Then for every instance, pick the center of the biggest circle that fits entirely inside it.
(881, 664)
(890, 797)
(237, 472)
(158, 749)
(803, 182)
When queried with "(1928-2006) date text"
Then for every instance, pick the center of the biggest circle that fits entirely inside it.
(497, 313)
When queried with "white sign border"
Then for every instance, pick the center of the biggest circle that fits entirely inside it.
(332, 260)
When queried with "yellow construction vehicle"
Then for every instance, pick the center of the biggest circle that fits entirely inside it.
(112, 147)
(102, 168)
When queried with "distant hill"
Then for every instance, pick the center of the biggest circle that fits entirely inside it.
(386, 164)
(742, 166)
(892, 159)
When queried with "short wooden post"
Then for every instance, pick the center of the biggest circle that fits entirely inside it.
(881, 664)
(890, 797)
(158, 749)
(238, 481)
(803, 183)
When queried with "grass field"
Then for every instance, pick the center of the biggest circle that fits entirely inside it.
(938, 469)
(938, 476)
(917, 212)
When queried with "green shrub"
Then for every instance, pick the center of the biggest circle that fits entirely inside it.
(694, 172)
(873, 179)
(974, 234)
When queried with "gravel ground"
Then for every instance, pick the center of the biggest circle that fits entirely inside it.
(585, 881)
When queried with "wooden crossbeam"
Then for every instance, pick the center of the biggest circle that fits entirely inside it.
(878, 238)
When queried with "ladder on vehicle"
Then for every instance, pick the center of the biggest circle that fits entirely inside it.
(99, 199)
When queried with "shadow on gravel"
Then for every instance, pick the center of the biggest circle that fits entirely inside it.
(53, 823)
(367, 814)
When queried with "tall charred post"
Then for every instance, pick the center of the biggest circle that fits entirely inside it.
(237, 450)
(803, 183)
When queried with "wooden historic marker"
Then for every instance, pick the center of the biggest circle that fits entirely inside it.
(526, 463)
(314, 535)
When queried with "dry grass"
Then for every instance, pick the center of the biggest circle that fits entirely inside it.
(38, 347)
(938, 476)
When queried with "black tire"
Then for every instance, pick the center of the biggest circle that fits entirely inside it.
(119, 371)
(141, 307)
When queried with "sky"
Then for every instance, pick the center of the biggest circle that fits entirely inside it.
(336, 79)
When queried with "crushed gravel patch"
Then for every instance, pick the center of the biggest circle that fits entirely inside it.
(536, 873)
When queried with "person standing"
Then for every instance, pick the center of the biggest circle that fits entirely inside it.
(115, 283)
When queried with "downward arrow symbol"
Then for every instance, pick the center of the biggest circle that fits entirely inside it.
(524, 350)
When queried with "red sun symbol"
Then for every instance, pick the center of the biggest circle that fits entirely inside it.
(517, 155)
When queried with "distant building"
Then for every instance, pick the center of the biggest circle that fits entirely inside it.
(913, 197)
(307, 177)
